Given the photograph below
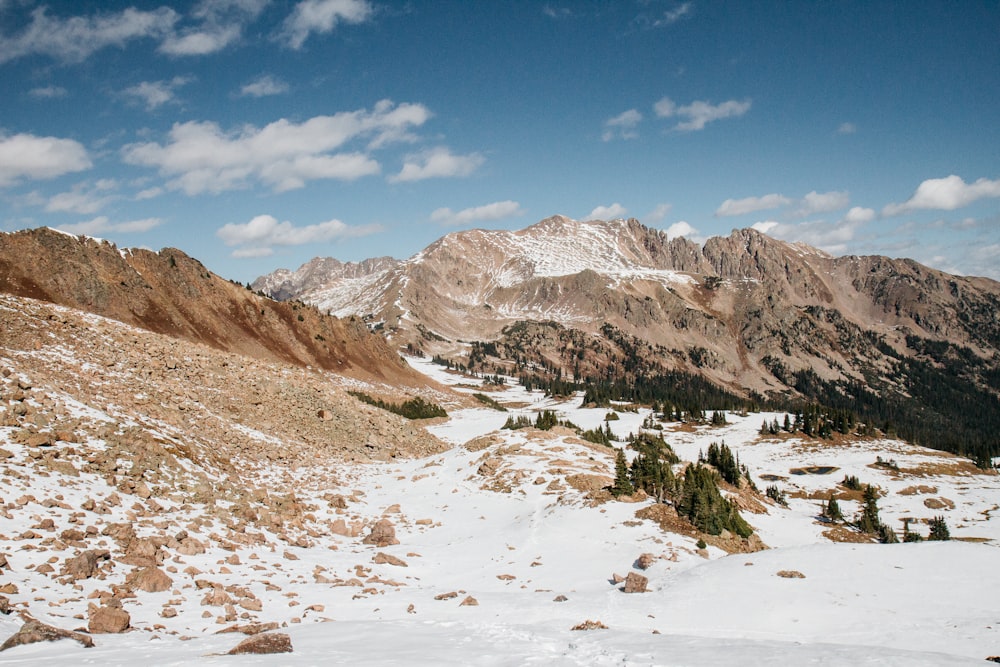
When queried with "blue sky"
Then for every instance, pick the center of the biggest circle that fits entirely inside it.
(257, 134)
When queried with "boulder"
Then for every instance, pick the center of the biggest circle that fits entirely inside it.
(383, 534)
(148, 579)
(635, 583)
(35, 631)
(86, 564)
(269, 642)
(644, 561)
(109, 620)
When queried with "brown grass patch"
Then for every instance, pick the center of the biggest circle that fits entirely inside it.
(920, 489)
(954, 467)
(842, 534)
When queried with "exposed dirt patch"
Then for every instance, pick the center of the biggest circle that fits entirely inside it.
(843, 534)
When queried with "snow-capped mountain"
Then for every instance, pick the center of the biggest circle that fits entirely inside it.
(750, 301)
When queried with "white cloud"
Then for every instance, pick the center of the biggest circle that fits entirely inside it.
(699, 113)
(252, 253)
(102, 225)
(823, 202)
(321, 16)
(48, 92)
(263, 86)
(28, 156)
(496, 211)
(148, 193)
(847, 128)
(945, 194)
(75, 38)
(674, 15)
(658, 213)
(200, 157)
(765, 226)
(746, 205)
(622, 126)
(859, 214)
(221, 23)
(680, 228)
(612, 212)
(155, 94)
(264, 231)
(437, 162)
(83, 199)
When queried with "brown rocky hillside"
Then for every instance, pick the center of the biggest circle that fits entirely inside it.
(171, 293)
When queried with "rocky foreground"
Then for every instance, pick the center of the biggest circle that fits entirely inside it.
(159, 496)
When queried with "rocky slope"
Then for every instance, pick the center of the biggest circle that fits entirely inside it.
(170, 293)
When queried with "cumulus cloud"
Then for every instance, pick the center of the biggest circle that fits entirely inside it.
(83, 198)
(622, 126)
(732, 207)
(219, 24)
(658, 213)
(612, 212)
(102, 225)
(200, 157)
(75, 38)
(496, 211)
(48, 92)
(945, 194)
(858, 214)
(155, 94)
(263, 86)
(29, 156)
(680, 228)
(823, 202)
(437, 162)
(258, 237)
(321, 17)
(699, 113)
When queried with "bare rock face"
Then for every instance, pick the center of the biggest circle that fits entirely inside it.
(383, 534)
(635, 583)
(149, 579)
(109, 620)
(34, 631)
(270, 642)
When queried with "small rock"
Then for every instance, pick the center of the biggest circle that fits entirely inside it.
(590, 625)
(560, 598)
(791, 574)
(275, 642)
(386, 559)
(469, 601)
(446, 596)
(644, 561)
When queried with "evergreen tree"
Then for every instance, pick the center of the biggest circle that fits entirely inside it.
(832, 509)
(622, 485)
(939, 529)
(721, 457)
(702, 504)
(908, 535)
(869, 521)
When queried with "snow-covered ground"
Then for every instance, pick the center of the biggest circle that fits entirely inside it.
(499, 521)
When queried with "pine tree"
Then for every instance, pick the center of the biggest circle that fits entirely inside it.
(869, 521)
(832, 509)
(622, 485)
(939, 529)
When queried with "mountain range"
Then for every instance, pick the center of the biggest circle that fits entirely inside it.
(914, 348)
